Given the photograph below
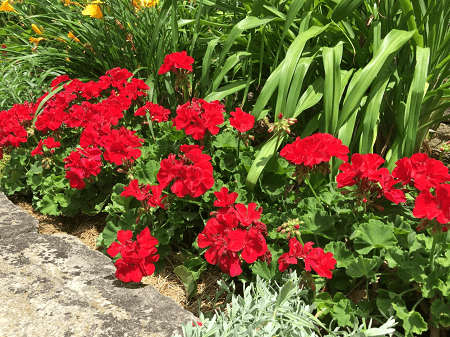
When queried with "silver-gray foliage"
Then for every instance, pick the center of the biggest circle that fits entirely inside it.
(278, 311)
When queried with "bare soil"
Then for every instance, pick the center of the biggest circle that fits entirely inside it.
(88, 228)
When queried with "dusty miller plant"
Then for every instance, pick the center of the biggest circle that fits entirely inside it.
(279, 310)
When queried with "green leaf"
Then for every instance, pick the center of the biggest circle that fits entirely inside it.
(146, 173)
(393, 41)
(343, 312)
(317, 221)
(273, 185)
(188, 280)
(432, 283)
(283, 293)
(413, 322)
(441, 312)
(61, 199)
(362, 266)
(344, 9)
(196, 266)
(260, 268)
(342, 255)
(373, 234)
(48, 206)
(225, 140)
(385, 299)
(266, 152)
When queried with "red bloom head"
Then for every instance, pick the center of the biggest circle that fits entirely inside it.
(434, 206)
(157, 112)
(421, 170)
(137, 257)
(198, 117)
(315, 149)
(242, 121)
(175, 61)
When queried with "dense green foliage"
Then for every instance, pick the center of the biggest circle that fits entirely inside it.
(373, 74)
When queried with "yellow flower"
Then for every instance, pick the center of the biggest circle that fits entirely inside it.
(68, 3)
(36, 29)
(36, 41)
(139, 4)
(93, 10)
(6, 7)
(73, 37)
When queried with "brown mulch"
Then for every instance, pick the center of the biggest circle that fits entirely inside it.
(88, 228)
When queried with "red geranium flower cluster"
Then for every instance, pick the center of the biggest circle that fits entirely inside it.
(434, 207)
(142, 193)
(137, 257)
(312, 154)
(315, 258)
(421, 171)
(14, 123)
(82, 163)
(121, 145)
(241, 120)
(157, 112)
(315, 149)
(373, 182)
(114, 84)
(191, 174)
(234, 229)
(49, 143)
(175, 61)
(198, 117)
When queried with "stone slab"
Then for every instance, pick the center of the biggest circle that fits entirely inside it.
(54, 285)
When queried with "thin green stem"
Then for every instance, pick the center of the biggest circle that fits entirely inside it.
(239, 143)
(306, 180)
(432, 253)
(417, 303)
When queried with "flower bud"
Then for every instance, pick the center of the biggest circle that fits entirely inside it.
(280, 116)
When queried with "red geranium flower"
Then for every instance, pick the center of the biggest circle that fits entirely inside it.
(242, 121)
(137, 257)
(226, 235)
(198, 117)
(224, 199)
(176, 61)
(315, 149)
(421, 170)
(157, 112)
(323, 263)
(314, 258)
(248, 215)
(434, 206)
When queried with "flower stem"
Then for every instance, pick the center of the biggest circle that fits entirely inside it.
(306, 180)
(239, 143)
(432, 253)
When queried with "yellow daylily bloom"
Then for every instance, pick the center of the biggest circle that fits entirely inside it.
(68, 3)
(139, 4)
(6, 7)
(36, 29)
(93, 10)
(73, 37)
(36, 40)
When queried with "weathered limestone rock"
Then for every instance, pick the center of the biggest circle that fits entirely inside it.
(54, 285)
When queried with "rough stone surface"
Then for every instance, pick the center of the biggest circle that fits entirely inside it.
(54, 285)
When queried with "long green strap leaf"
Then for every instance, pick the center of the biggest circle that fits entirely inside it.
(264, 155)
(332, 90)
(391, 44)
